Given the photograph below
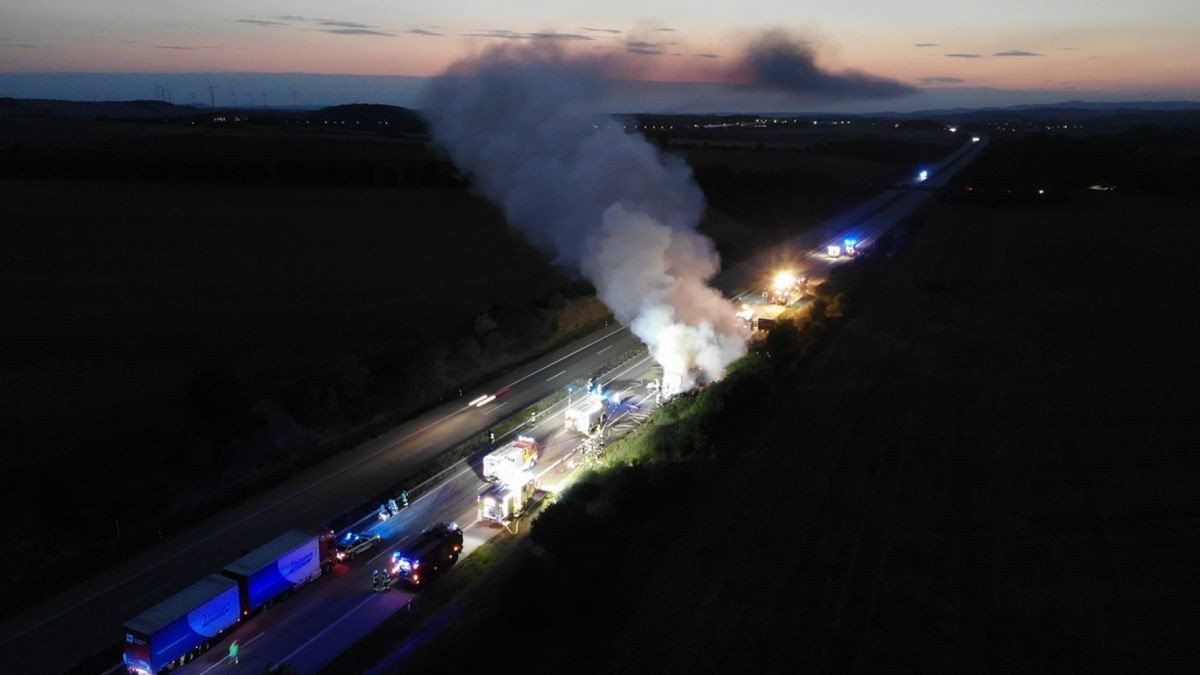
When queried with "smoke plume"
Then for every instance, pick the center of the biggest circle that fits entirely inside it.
(777, 61)
(523, 122)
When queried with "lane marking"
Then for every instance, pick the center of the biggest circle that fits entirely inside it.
(495, 408)
(561, 372)
(601, 351)
(226, 657)
(598, 340)
(326, 630)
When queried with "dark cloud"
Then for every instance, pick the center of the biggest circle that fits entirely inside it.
(777, 61)
(960, 55)
(513, 35)
(708, 55)
(496, 33)
(926, 44)
(261, 22)
(20, 45)
(645, 48)
(333, 26)
(600, 30)
(942, 79)
(1069, 49)
(1016, 52)
(422, 31)
(666, 30)
(331, 23)
(356, 31)
(558, 36)
(182, 48)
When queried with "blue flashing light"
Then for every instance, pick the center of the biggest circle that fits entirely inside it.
(850, 242)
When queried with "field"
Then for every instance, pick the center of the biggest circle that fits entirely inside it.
(145, 255)
(123, 292)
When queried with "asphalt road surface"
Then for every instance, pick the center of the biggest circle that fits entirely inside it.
(331, 613)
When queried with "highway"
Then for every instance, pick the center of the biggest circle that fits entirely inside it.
(324, 618)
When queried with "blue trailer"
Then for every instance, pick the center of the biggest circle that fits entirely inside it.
(181, 627)
(263, 575)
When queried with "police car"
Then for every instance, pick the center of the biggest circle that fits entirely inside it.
(351, 544)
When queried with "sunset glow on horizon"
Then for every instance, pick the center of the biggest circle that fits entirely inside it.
(1144, 48)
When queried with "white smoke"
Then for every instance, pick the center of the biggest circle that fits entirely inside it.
(521, 121)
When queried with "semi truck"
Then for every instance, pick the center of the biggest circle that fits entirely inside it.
(432, 553)
(515, 456)
(286, 563)
(500, 503)
(185, 625)
(178, 629)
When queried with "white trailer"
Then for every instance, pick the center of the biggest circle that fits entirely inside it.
(586, 415)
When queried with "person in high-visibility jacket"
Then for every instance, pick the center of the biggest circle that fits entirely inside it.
(233, 652)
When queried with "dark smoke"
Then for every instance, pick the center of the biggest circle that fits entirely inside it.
(778, 61)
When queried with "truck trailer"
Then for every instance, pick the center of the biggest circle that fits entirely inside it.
(289, 561)
(586, 415)
(181, 627)
(519, 455)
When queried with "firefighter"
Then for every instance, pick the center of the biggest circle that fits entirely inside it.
(375, 579)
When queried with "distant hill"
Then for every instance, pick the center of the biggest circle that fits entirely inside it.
(396, 118)
(382, 118)
(130, 110)
(1077, 108)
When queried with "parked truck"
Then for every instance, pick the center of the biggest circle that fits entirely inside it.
(432, 553)
(183, 626)
(518, 455)
(287, 562)
(178, 629)
(502, 502)
(586, 415)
